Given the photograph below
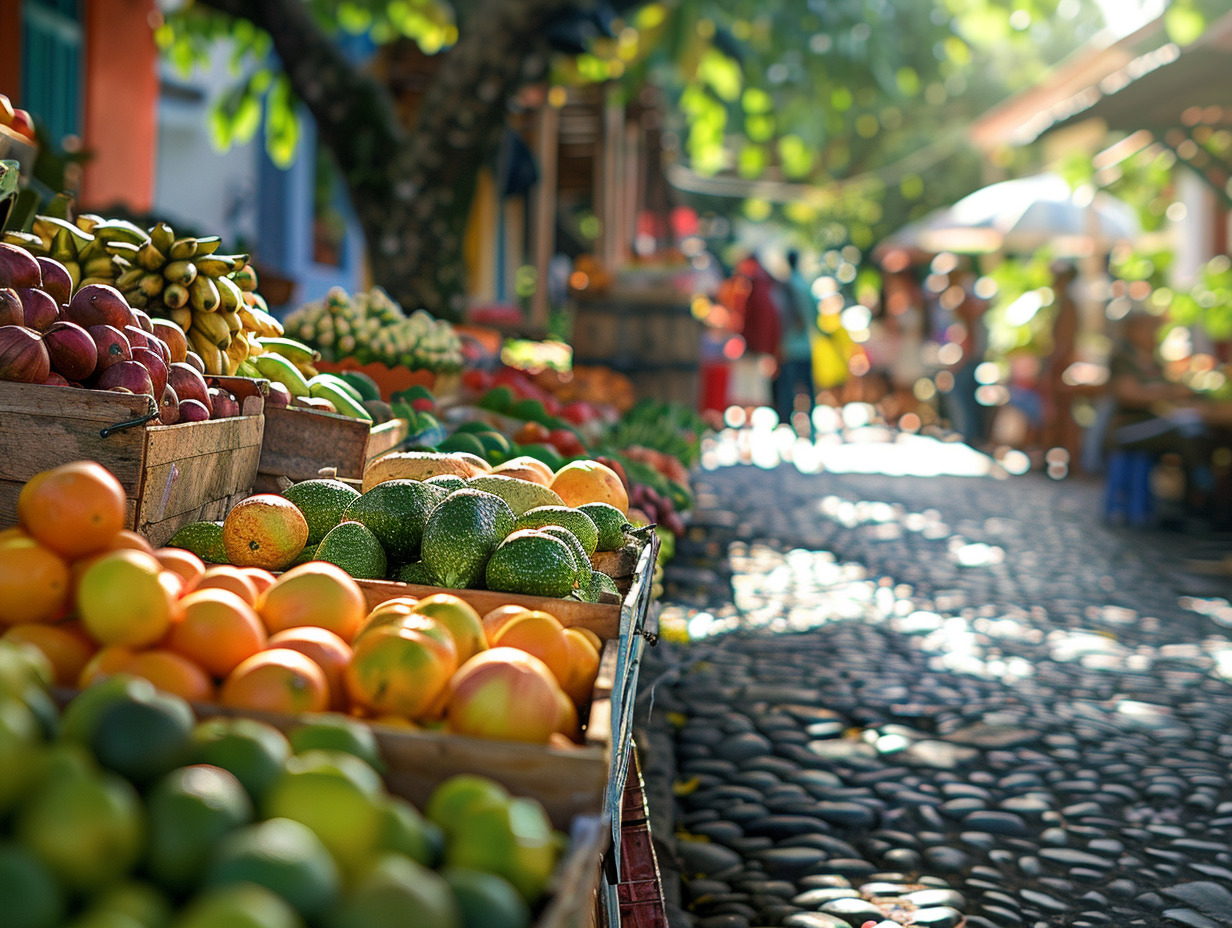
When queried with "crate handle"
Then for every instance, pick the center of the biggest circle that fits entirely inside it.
(119, 426)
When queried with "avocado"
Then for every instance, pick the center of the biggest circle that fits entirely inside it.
(580, 557)
(610, 522)
(533, 563)
(496, 447)
(354, 548)
(395, 512)
(574, 520)
(449, 482)
(463, 441)
(603, 588)
(461, 534)
(521, 495)
(475, 427)
(203, 539)
(530, 410)
(415, 572)
(498, 399)
(322, 502)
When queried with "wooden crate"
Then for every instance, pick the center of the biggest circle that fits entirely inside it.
(172, 474)
(299, 443)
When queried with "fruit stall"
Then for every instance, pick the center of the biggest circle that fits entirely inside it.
(319, 617)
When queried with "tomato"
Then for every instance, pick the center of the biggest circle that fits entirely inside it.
(566, 443)
(532, 433)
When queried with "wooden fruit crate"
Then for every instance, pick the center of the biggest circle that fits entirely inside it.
(172, 474)
(299, 443)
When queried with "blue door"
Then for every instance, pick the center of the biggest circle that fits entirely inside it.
(51, 65)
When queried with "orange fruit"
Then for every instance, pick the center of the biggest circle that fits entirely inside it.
(74, 508)
(215, 629)
(315, 593)
(505, 693)
(459, 618)
(261, 578)
(171, 673)
(265, 530)
(34, 580)
(67, 648)
(400, 671)
(567, 722)
(231, 579)
(326, 649)
(187, 565)
(387, 612)
(542, 474)
(583, 666)
(539, 634)
(123, 600)
(493, 621)
(127, 538)
(277, 680)
(589, 635)
(584, 482)
(106, 661)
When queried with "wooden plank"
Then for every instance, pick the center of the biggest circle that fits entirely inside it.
(575, 887)
(602, 619)
(299, 442)
(32, 443)
(101, 406)
(159, 533)
(617, 564)
(385, 438)
(188, 483)
(168, 443)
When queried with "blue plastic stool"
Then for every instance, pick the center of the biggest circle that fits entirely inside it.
(1127, 493)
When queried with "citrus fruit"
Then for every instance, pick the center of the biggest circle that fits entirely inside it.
(406, 831)
(80, 715)
(143, 739)
(540, 634)
(74, 508)
(314, 594)
(326, 649)
(387, 612)
(20, 750)
(584, 482)
(449, 802)
(107, 660)
(127, 538)
(240, 905)
(459, 618)
(401, 671)
(487, 900)
(393, 886)
(260, 577)
(172, 673)
(336, 795)
(122, 600)
(65, 646)
(494, 620)
(333, 731)
(34, 580)
(504, 693)
(185, 563)
(512, 838)
(216, 629)
(583, 666)
(87, 830)
(252, 751)
(283, 856)
(264, 530)
(32, 897)
(232, 579)
(277, 680)
(143, 902)
(188, 812)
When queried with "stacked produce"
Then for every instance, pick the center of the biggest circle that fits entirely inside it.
(444, 520)
(371, 327)
(211, 297)
(98, 600)
(127, 810)
(93, 338)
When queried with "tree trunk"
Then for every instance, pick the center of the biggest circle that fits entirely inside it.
(412, 191)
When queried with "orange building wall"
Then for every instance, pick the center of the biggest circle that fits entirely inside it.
(120, 96)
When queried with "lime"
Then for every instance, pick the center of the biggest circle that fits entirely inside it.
(79, 716)
(20, 750)
(391, 889)
(511, 838)
(32, 898)
(487, 900)
(144, 903)
(449, 801)
(405, 830)
(190, 810)
(334, 731)
(253, 751)
(88, 830)
(143, 740)
(245, 905)
(283, 856)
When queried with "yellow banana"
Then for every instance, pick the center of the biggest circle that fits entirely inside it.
(234, 325)
(163, 237)
(214, 265)
(203, 294)
(129, 279)
(207, 246)
(212, 326)
(180, 272)
(236, 352)
(98, 267)
(151, 284)
(181, 316)
(150, 258)
(229, 295)
(209, 352)
(255, 347)
(182, 249)
(74, 272)
(87, 221)
(175, 296)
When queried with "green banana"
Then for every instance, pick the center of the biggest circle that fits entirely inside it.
(295, 352)
(150, 258)
(216, 265)
(343, 401)
(175, 296)
(337, 382)
(247, 368)
(151, 284)
(130, 278)
(111, 231)
(182, 249)
(277, 368)
(162, 236)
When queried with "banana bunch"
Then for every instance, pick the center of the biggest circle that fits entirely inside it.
(83, 246)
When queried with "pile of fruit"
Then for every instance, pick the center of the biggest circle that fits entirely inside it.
(446, 520)
(371, 327)
(127, 810)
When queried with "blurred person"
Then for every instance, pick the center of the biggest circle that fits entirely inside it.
(795, 374)
(965, 412)
(761, 329)
(1151, 413)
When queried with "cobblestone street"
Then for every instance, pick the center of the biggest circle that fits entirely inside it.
(914, 701)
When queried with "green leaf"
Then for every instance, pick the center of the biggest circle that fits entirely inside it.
(282, 127)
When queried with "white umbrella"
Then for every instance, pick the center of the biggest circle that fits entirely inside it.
(1021, 216)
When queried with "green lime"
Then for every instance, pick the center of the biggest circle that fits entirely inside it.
(392, 888)
(80, 715)
(487, 900)
(252, 751)
(405, 830)
(334, 731)
(32, 897)
(284, 857)
(450, 800)
(531, 562)
(189, 811)
(143, 740)
(20, 750)
(244, 905)
(144, 903)
(511, 838)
